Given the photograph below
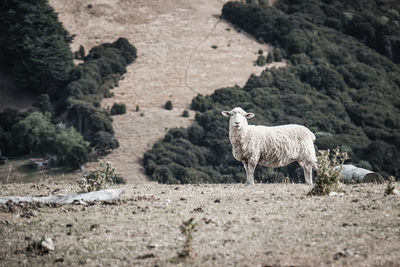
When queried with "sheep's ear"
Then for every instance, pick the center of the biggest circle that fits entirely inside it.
(249, 115)
(226, 113)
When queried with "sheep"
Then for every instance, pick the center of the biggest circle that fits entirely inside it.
(270, 146)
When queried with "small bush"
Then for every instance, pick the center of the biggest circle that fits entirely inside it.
(261, 61)
(270, 58)
(168, 105)
(214, 46)
(137, 108)
(100, 178)
(329, 172)
(81, 51)
(260, 52)
(118, 108)
(185, 113)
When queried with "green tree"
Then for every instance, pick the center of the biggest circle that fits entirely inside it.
(34, 46)
(35, 133)
(65, 145)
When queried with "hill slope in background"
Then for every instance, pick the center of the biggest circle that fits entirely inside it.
(342, 90)
(175, 62)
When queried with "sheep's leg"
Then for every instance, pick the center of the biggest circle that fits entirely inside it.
(251, 166)
(307, 169)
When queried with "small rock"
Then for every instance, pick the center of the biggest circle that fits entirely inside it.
(331, 194)
(47, 243)
(94, 226)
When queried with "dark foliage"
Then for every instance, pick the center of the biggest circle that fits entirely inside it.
(344, 91)
(118, 108)
(168, 105)
(34, 46)
(43, 104)
(90, 82)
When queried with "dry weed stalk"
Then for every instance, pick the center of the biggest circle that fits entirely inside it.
(329, 171)
(187, 229)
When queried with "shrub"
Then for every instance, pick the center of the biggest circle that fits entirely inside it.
(278, 54)
(270, 58)
(185, 113)
(78, 156)
(43, 104)
(118, 108)
(100, 178)
(261, 61)
(168, 105)
(329, 172)
(81, 51)
(69, 147)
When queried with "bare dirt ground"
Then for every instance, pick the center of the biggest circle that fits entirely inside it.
(176, 61)
(237, 225)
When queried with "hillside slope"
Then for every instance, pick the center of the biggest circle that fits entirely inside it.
(175, 62)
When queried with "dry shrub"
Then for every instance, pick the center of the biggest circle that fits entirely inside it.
(390, 189)
(100, 178)
(329, 172)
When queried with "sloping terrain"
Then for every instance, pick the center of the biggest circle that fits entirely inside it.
(237, 225)
(183, 49)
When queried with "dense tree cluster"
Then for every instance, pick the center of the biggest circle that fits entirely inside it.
(344, 91)
(89, 83)
(34, 49)
(34, 46)
(36, 133)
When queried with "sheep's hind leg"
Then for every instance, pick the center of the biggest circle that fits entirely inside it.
(250, 172)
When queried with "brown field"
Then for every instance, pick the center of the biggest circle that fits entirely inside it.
(237, 225)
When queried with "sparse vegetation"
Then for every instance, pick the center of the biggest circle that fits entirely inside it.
(329, 172)
(214, 46)
(187, 229)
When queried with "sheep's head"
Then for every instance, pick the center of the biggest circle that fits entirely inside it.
(238, 118)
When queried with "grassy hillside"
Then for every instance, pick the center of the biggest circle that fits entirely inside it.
(344, 91)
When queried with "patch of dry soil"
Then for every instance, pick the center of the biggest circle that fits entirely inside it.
(237, 225)
(175, 62)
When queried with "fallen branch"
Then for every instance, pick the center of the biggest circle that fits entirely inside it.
(100, 195)
(353, 174)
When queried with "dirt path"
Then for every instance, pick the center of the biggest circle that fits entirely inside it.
(176, 61)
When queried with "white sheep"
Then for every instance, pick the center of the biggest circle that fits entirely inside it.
(270, 146)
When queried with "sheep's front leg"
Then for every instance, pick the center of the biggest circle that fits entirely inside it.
(251, 166)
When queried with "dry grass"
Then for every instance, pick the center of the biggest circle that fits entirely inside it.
(267, 224)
